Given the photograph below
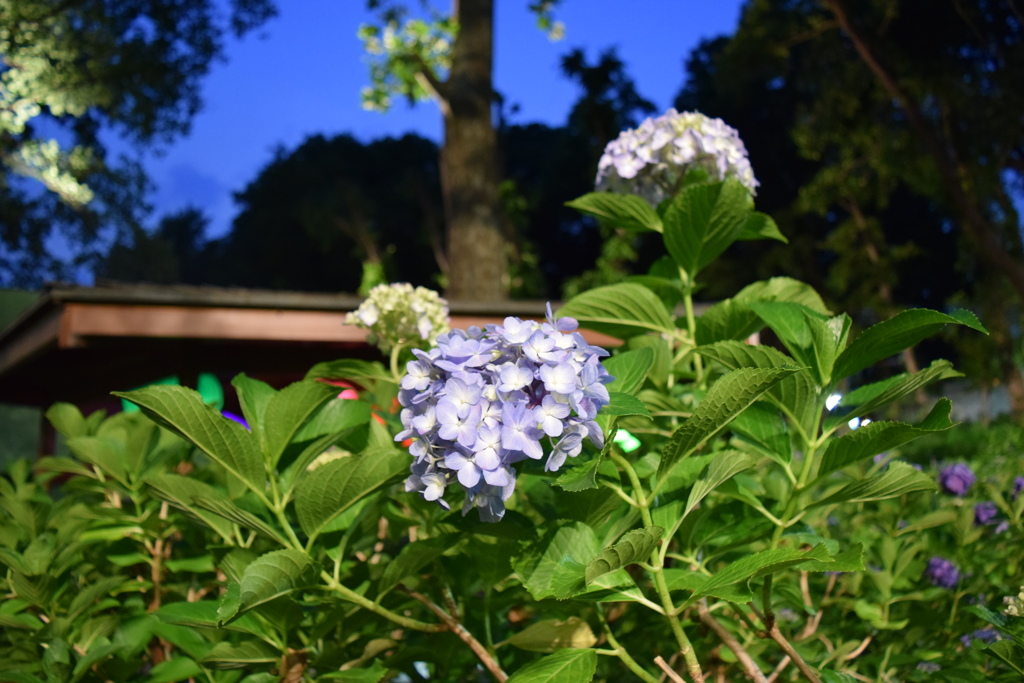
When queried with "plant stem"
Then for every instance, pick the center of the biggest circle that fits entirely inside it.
(672, 675)
(621, 652)
(458, 629)
(775, 634)
(753, 672)
(685, 648)
(691, 327)
(396, 351)
(405, 622)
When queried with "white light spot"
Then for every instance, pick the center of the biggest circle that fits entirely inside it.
(832, 401)
(854, 423)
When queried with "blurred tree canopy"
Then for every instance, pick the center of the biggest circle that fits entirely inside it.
(890, 154)
(69, 69)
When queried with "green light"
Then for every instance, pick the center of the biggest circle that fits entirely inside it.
(626, 441)
(207, 384)
(129, 407)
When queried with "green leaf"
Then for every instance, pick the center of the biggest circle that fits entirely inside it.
(629, 370)
(332, 488)
(564, 666)
(357, 371)
(206, 614)
(874, 615)
(288, 410)
(726, 398)
(572, 545)
(689, 581)
(724, 584)
(253, 396)
(335, 416)
(198, 565)
(373, 674)
(899, 479)
(182, 492)
(412, 558)
(67, 420)
(580, 477)
(550, 635)
(703, 220)
(763, 426)
(635, 546)
(98, 652)
(878, 437)
(733, 318)
(761, 226)
(891, 336)
(225, 655)
(228, 510)
(726, 465)
(63, 466)
(871, 397)
(1012, 656)
(930, 521)
(261, 678)
(796, 395)
(272, 575)
(849, 560)
(182, 411)
(105, 453)
(171, 670)
(622, 310)
(812, 338)
(624, 404)
(618, 211)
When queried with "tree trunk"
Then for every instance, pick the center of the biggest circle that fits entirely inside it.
(477, 260)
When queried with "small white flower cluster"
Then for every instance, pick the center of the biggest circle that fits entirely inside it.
(650, 161)
(1015, 605)
(398, 313)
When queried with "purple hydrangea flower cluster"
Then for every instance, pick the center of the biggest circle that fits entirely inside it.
(985, 512)
(483, 400)
(984, 635)
(652, 159)
(956, 479)
(943, 573)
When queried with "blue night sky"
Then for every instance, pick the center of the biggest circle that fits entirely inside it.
(302, 72)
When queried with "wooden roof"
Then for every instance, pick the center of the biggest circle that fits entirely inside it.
(79, 343)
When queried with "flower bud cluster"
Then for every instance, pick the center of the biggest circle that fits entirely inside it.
(1015, 604)
(398, 313)
(483, 400)
(651, 161)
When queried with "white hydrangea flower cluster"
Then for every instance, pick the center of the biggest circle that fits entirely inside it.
(650, 161)
(399, 313)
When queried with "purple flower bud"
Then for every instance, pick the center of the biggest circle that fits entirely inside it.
(956, 479)
(942, 573)
(985, 512)
(1018, 486)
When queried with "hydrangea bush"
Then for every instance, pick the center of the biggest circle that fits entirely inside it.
(690, 506)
